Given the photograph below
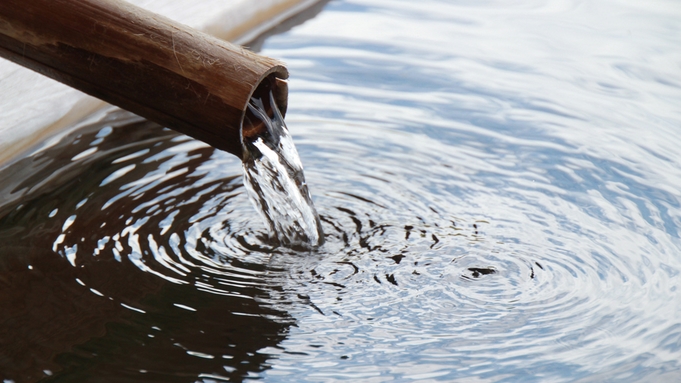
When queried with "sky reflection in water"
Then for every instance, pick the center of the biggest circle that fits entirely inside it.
(536, 139)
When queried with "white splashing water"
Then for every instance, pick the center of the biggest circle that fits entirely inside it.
(274, 179)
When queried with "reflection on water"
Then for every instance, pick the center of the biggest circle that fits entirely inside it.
(115, 263)
(498, 185)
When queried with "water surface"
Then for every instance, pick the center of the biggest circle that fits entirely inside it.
(498, 184)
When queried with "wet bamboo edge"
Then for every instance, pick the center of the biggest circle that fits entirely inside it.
(162, 70)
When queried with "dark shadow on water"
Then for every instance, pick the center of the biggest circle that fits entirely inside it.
(96, 318)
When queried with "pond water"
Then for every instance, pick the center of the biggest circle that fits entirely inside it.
(499, 184)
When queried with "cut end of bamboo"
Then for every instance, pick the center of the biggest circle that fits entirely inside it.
(275, 85)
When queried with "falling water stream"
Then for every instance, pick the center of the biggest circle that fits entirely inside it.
(497, 184)
(274, 179)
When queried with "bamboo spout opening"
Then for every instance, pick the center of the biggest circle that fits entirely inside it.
(253, 126)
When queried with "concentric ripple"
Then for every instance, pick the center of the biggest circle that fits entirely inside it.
(158, 233)
(122, 229)
(471, 275)
(165, 201)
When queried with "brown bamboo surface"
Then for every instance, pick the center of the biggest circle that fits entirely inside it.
(162, 70)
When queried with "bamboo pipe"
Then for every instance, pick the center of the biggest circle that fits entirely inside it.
(143, 62)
